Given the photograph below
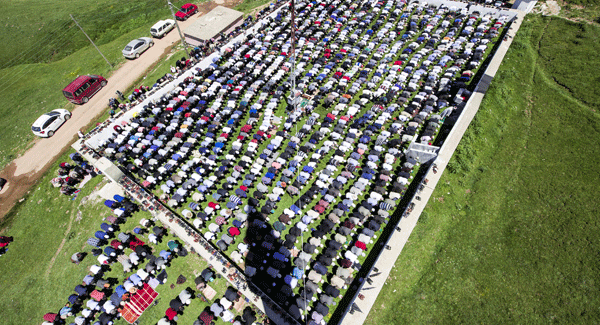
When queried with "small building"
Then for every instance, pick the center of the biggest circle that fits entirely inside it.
(211, 24)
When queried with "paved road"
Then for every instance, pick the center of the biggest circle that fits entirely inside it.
(399, 238)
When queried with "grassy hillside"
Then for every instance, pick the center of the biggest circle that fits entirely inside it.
(510, 234)
(46, 33)
(52, 51)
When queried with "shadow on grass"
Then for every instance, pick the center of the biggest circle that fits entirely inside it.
(346, 305)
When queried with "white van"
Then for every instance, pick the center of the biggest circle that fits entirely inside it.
(162, 27)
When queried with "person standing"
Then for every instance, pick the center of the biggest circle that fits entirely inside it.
(120, 95)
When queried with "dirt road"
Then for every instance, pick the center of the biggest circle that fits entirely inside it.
(24, 171)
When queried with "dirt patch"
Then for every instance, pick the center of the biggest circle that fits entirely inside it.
(205, 7)
(17, 187)
(62, 243)
(575, 13)
(548, 8)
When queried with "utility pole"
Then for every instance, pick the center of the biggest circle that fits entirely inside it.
(187, 51)
(295, 105)
(86, 35)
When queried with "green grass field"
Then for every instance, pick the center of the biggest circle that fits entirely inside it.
(247, 6)
(510, 233)
(581, 10)
(52, 51)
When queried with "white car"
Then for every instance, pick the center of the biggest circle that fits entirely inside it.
(136, 47)
(162, 27)
(47, 124)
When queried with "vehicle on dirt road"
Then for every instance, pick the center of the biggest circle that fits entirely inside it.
(80, 90)
(47, 124)
(136, 47)
(161, 28)
(186, 11)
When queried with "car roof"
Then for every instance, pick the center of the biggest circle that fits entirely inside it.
(159, 23)
(135, 41)
(75, 84)
(40, 121)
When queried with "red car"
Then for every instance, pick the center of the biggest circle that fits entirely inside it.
(81, 89)
(187, 10)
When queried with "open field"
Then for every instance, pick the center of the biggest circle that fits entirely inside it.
(510, 235)
(33, 75)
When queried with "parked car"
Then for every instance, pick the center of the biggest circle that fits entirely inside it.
(82, 88)
(47, 124)
(136, 47)
(186, 11)
(162, 27)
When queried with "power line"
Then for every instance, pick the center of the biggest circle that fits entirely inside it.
(295, 106)
(86, 35)
(60, 38)
(187, 51)
(32, 47)
(35, 46)
(51, 34)
(19, 74)
(28, 64)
